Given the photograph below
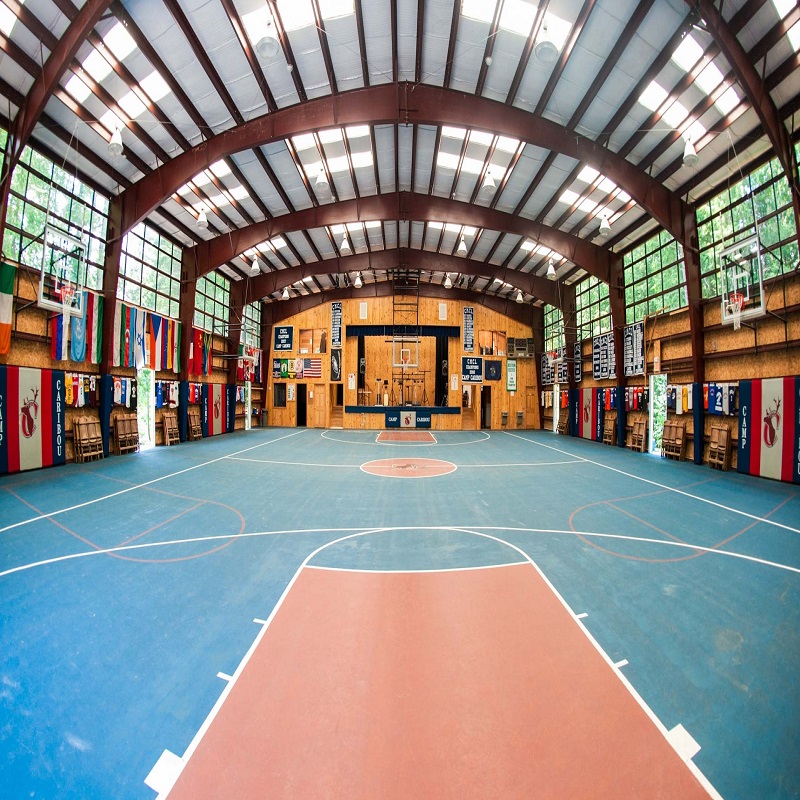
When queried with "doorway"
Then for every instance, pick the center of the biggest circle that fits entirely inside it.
(486, 407)
(302, 406)
(556, 406)
(658, 411)
(146, 408)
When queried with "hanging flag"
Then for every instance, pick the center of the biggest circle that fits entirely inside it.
(32, 411)
(156, 344)
(59, 338)
(7, 275)
(176, 346)
(94, 326)
(77, 331)
(214, 409)
(139, 336)
(312, 367)
(117, 343)
(207, 346)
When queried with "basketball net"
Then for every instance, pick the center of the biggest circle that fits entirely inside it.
(67, 294)
(735, 308)
(551, 359)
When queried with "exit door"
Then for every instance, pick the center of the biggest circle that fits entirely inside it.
(302, 406)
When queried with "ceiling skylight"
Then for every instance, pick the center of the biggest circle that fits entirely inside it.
(295, 14)
(331, 9)
(119, 41)
(783, 7)
(7, 19)
(132, 105)
(154, 86)
(111, 121)
(709, 78)
(220, 168)
(687, 54)
(453, 133)
(675, 114)
(96, 66)
(727, 101)
(305, 141)
(77, 88)
(653, 96)
(588, 174)
(452, 227)
(794, 36)
(569, 197)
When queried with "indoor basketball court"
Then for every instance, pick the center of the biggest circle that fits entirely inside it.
(269, 616)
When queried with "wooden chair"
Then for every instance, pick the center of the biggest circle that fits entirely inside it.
(126, 433)
(673, 440)
(169, 419)
(609, 429)
(638, 441)
(195, 428)
(87, 439)
(719, 448)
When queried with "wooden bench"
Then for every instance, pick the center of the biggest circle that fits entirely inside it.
(638, 441)
(609, 429)
(195, 428)
(673, 440)
(126, 433)
(719, 447)
(87, 439)
(169, 419)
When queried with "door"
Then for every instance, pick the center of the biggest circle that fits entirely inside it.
(486, 407)
(318, 405)
(146, 408)
(531, 406)
(658, 411)
(302, 406)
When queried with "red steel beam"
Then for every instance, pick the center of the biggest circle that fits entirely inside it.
(757, 95)
(405, 258)
(403, 103)
(208, 255)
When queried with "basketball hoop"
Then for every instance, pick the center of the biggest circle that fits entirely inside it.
(735, 307)
(551, 358)
(67, 292)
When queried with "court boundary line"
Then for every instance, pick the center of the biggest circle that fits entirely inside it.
(295, 531)
(128, 489)
(659, 485)
(373, 443)
(414, 571)
(704, 782)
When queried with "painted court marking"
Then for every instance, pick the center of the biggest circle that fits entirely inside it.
(660, 485)
(221, 755)
(373, 440)
(408, 467)
(406, 436)
(139, 485)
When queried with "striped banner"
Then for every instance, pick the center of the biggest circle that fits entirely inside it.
(32, 409)
(218, 408)
(769, 428)
(590, 414)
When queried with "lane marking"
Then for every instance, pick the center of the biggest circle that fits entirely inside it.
(621, 664)
(660, 485)
(165, 772)
(581, 616)
(414, 571)
(140, 485)
(224, 676)
(373, 443)
(683, 742)
(259, 534)
(260, 621)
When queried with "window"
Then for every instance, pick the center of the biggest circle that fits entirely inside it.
(553, 328)
(593, 308)
(38, 188)
(211, 304)
(251, 324)
(313, 340)
(762, 197)
(279, 395)
(150, 271)
(492, 343)
(654, 277)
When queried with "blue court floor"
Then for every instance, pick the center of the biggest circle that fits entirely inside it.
(127, 586)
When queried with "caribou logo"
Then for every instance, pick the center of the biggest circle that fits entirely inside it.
(217, 408)
(29, 412)
(772, 423)
(586, 411)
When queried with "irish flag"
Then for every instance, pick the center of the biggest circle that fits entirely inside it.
(7, 273)
(769, 428)
(32, 409)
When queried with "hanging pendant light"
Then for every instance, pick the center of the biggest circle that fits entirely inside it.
(358, 282)
(115, 147)
(321, 183)
(690, 157)
(551, 271)
(268, 46)
(202, 220)
(285, 295)
(605, 225)
(255, 269)
(489, 186)
(448, 284)
(462, 246)
(345, 248)
(546, 51)
(519, 295)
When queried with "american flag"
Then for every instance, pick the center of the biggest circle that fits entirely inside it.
(312, 367)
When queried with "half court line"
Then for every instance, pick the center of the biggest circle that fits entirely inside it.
(139, 485)
(660, 485)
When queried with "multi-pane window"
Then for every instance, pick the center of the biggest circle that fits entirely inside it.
(251, 324)
(42, 191)
(211, 303)
(3, 140)
(761, 199)
(593, 308)
(654, 277)
(553, 328)
(150, 271)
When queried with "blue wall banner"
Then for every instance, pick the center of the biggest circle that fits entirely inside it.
(283, 338)
(471, 369)
(392, 419)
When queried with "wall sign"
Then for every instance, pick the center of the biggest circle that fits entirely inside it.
(469, 329)
(511, 375)
(633, 352)
(603, 357)
(336, 324)
(283, 338)
(471, 369)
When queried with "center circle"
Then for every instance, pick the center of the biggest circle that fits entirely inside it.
(408, 467)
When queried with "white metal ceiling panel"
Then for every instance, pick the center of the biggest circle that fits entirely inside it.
(310, 63)
(468, 54)
(436, 38)
(406, 39)
(384, 149)
(342, 35)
